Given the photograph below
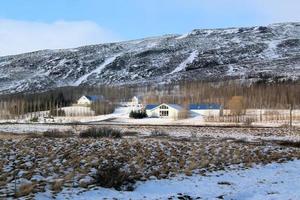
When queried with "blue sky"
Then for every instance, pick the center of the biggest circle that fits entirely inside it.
(27, 25)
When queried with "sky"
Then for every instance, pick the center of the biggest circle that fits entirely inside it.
(29, 25)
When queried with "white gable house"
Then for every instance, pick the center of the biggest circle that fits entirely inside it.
(88, 100)
(163, 110)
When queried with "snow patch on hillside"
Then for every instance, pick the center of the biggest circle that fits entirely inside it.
(96, 71)
(184, 64)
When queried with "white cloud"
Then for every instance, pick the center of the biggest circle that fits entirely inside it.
(25, 36)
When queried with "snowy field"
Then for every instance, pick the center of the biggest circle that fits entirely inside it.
(271, 182)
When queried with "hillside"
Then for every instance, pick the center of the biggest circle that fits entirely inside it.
(263, 53)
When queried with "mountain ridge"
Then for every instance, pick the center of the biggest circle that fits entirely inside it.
(260, 53)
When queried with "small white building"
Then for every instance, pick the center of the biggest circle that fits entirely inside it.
(136, 104)
(88, 100)
(163, 110)
(206, 109)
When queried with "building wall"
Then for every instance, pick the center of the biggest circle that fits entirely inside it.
(173, 113)
(207, 112)
(84, 101)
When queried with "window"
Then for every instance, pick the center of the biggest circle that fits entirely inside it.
(164, 113)
(163, 107)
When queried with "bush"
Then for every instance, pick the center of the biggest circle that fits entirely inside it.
(57, 134)
(34, 119)
(110, 176)
(57, 113)
(130, 133)
(138, 114)
(100, 133)
(25, 189)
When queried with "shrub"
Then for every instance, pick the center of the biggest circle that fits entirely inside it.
(57, 134)
(130, 133)
(110, 176)
(100, 133)
(25, 189)
(34, 119)
(138, 114)
(57, 185)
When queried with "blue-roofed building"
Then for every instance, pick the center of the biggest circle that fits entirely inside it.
(210, 109)
(173, 110)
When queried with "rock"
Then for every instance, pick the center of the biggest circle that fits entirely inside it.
(86, 181)
(152, 178)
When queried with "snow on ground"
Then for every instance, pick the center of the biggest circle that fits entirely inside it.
(30, 128)
(183, 36)
(183, 65)
(273, 181)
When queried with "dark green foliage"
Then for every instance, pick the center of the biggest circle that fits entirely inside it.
(138, 114)
(102, 132)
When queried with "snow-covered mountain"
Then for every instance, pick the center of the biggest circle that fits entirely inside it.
(248, 54)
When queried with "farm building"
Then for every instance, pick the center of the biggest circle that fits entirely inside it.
(163, 110)
(88, 100)
(206, 109)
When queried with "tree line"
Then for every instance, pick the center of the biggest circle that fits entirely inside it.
(254, 96)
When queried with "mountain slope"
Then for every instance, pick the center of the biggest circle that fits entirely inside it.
(244, 54)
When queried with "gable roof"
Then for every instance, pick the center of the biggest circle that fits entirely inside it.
(151, 106)
(209, 106)
(94, 98)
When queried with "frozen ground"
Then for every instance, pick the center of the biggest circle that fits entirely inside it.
(273, 181)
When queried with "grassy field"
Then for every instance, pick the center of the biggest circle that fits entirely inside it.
(53, 161)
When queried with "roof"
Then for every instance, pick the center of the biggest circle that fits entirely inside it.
(94, 98)
(151, 106)
(210, 106)
(175, 106)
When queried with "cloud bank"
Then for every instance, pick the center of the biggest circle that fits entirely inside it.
(25, 36)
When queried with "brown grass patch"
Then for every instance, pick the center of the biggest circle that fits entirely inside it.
(25, 189)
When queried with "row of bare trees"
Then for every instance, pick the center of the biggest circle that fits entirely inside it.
(233, 96)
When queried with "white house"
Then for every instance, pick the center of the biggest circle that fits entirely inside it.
(88, 100)
(206, 109)
(163, 110)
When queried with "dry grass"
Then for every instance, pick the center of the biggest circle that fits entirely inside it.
(25, 189)
(57, 186)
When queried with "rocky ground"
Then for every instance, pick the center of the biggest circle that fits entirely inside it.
(37, 163)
